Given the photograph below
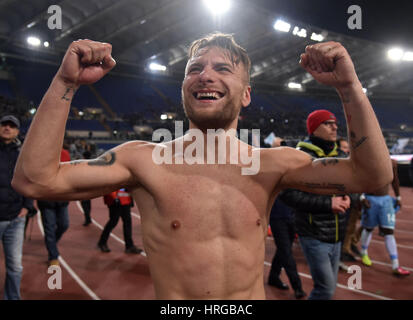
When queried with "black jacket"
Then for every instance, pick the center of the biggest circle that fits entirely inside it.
(314, 217)
(11, 202)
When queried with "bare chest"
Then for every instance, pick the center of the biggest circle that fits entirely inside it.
(208, 203)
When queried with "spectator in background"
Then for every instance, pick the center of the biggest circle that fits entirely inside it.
(343, 145)
(13, 207)
(320, 219)
(55, 219)
(380, 209)
(86, 204)
(119, 203)
(283, 229)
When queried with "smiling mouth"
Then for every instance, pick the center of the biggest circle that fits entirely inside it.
(208, 95)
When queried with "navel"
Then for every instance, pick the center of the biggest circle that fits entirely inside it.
(258, 222)
(175, 224)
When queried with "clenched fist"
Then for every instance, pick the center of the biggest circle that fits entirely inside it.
(86, 62)
(330, 64)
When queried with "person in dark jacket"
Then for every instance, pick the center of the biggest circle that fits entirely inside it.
(13, 207)
(320, 219)
(283, 230)
(86, 204)
(55, 220)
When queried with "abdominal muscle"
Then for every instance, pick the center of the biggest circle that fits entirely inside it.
(219, 268)
(204, 252)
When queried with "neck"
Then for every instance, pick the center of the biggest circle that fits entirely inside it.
(227, 128)
(6, 141)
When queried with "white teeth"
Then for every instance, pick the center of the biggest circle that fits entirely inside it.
(212, 95)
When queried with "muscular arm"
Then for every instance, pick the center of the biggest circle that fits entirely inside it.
(368, 165)
(39, 173)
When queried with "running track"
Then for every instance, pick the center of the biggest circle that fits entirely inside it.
(89, 274)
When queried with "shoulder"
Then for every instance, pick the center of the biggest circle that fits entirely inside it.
(284, 158)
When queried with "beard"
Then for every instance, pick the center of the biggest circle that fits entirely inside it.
(219, 119)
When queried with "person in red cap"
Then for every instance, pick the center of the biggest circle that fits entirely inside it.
(320, 219)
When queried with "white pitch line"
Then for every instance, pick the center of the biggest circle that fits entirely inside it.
(404, 221)
(398, 245)
(73, 274)
(385, 264)
(305, 275)
(403, 231)
(136, 215)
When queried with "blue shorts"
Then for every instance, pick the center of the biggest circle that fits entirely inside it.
(381, 212)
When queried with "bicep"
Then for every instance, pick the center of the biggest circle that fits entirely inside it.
(86, 179)
(322, 176)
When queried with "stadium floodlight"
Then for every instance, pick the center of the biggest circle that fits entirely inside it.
(300, 32)
(317, 37)
(294, 85)
(395, 54)
(32, 111)
(34, 41)
(281, 25)
(408, 56)
(157, 67)
(217, 7)
(46, 44)
(365, 90)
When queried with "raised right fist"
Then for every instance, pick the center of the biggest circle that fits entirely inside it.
(86, 62)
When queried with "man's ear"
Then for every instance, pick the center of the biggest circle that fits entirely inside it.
(246, 99)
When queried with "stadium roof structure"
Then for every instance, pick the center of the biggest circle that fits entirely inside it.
(159, 31)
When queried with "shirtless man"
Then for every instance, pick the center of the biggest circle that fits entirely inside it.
(380, 209)
(204, 226)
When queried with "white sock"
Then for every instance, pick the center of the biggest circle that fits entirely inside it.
(391, 247)
(365, 241)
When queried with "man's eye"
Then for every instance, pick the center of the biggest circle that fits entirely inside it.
(194, 69)
(224, 69)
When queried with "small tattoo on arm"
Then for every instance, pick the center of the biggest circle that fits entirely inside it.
(329, 161)
(345, 98)
(105, 159)
(65, 97)
(335, 186)
(359, 143)
(76, 162)
(354, 143)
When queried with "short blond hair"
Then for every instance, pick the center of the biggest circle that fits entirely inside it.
(224, 41)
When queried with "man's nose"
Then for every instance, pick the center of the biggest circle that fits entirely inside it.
(206, 75)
